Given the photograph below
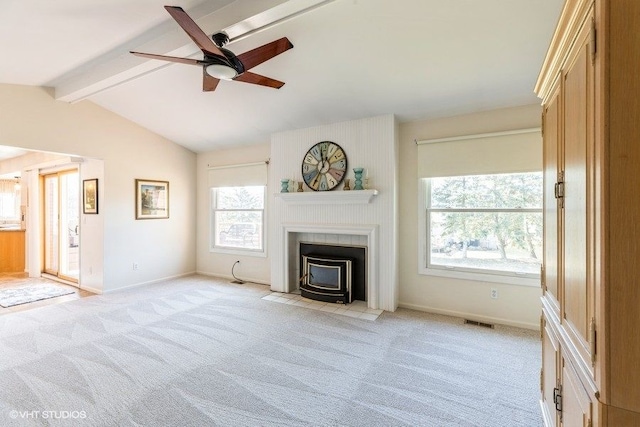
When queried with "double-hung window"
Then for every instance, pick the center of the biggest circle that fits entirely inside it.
(480, 207)
(485, 223)
(238, 200)
(238, 218)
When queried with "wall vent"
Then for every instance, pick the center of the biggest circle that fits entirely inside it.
(476, 323)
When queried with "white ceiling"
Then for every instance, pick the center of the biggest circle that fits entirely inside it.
(352, 59)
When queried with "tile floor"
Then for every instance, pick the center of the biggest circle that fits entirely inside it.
(356, 309)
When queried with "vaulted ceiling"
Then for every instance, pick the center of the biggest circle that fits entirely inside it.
(417, 59)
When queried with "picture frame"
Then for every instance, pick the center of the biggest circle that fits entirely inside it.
(90, 196)
(152, 199)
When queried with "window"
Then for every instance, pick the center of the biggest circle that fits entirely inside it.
(488, 224)
(237, 220)
(9, 199)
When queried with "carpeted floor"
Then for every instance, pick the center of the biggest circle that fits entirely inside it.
(201, 352)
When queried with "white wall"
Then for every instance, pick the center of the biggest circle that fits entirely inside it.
(516, 305)
(251, 268)
(369, 143)
(32, 119)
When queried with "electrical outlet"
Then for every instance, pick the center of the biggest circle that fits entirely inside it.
(135, 265)
(494, 293)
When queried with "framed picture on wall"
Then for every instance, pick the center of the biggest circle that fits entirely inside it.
(90, 196)
(152, 199)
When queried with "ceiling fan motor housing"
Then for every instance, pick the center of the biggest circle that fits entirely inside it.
(231, 60)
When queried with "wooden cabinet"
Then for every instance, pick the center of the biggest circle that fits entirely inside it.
(12, 251)
(590, 88)
(549, 376)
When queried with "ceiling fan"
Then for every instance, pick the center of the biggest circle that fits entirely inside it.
(218, 62)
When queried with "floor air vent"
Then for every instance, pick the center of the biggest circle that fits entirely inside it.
(473, 322)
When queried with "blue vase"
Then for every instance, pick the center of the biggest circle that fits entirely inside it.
(358, 173)
(284, 185)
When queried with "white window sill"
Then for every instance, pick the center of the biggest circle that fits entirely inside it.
(481, 277)
(238, 251)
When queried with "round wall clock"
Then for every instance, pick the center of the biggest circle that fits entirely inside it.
(324, 166)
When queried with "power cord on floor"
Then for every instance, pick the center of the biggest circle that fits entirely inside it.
(238, 281)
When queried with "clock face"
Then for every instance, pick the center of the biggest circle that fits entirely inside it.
(324, 166)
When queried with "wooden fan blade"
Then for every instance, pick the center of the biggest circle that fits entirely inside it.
(191, 28)
(257, 79)
(261, 54)
(209, 83)
(170, 58)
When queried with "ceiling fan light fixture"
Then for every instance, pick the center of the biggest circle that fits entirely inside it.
(220, 71)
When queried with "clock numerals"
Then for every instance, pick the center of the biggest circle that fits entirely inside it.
(316, 154)
(337, 175)
(330, 180)
(340, 164)
(310, 159)
(332, 150)
(310, 177)
(323, 186)
(339, 156)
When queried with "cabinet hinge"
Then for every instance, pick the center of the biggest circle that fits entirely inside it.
(592, 340)
(557, 399)
(543, 282)
(558, 190)
(592, 42)
(542, 124)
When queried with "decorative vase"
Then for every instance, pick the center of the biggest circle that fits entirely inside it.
(346, 185)
(284, 185)
(358, 173)
(300, 190)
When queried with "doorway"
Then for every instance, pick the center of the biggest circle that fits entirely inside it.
(61, 206)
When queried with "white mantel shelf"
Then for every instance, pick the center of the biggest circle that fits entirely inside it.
(349, 197)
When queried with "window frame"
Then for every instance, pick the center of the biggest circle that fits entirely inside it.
(425, 267)
(232, 250)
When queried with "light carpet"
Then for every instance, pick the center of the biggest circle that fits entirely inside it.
(201, 352)
(25, 294)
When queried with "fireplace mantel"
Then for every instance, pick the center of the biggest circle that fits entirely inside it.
(329, 197)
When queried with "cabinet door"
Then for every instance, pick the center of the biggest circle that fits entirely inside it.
(578, 291)
(551, 162)
(550, 378)
(576, 404)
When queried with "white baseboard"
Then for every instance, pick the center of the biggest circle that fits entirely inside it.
(92, 290)
(230, 277)
(472, 316)
(150, 282)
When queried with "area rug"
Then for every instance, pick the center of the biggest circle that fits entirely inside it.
(16, 296)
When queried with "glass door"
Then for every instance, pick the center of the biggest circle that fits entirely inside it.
(61, 225)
